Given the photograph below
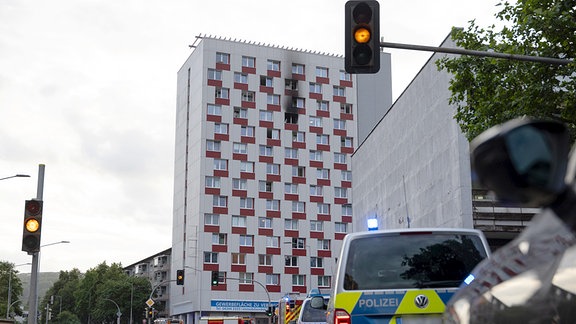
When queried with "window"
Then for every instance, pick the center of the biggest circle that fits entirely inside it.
(340, 192)
(247, 131)
(291, 153)
(247, 203)
(291, 118)
(339, 91)
(211, 219)
(298, 171)
(347, 210)
(239, 184)
(240, 148)
(345, 76)
(223, 58)
(246, 240)
(265, 186)
(316, 226)
(272, 279)
(298, 137)
(290, 261)
(214, 110)
(212, 182)
(265, 259)
(322, 105)
(265, 115)
(219, 201)
(273, 65)
(213, 146)
(240, 112)
(210, 257)
(266, 81)
(298, 280)
(323, 244)
(323, 209)
(245, 278)
(298, 243)
(220, 128)
(321, 72)
(346, 175)
(219, 238)
(291, 224)
(322, 174)
(273, 241)
(298, 207)
(273, 99)
(246, 166)
(273, 134)
(291, 84)
(266, 150)
(297, 68)
(214, 74)
(316, 262)
(340, 227)
(322, 139)
(340, 158)
(346, 108)
(324, 281)
(222, 93)
(239, 258)
(220, 164)
(315, 190)
(272, 204)
(315, 87)
(298, 102)
(315, 121)
(240, 78)
(316, 155)
(290, 188)
(346, 141)
(339, 124)
(249, 96)
(248, 61)
(264, 222)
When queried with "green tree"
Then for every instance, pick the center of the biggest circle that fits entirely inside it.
(9, 277)
(61, 295)
(490, 91)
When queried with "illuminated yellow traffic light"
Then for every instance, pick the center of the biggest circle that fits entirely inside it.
(32, 226)
(180, 277)
(362, 38)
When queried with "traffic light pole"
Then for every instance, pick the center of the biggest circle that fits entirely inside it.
(148, 320)
(33, 298)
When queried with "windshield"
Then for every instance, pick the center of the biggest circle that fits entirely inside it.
(310, 314)
(411, 260)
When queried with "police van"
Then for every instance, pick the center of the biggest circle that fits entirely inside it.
(402, 276)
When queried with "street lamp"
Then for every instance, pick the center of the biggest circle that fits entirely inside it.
(16, 176)
(8, 303)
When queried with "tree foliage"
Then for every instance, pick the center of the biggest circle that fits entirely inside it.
(490, 91)
(9, 277)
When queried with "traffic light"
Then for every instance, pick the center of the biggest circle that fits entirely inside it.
(292, 304)
(215, 278)
(362, 39)
(32, 226)
(270, 311)
(180, 277)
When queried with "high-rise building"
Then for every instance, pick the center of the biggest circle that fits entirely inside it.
(262, 185)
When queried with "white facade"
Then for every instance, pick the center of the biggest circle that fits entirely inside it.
(414, 168)
(262, 185)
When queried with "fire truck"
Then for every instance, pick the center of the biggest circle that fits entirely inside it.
(226, 320)
(288, 310)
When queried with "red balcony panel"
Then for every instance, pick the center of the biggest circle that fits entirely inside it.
(214, 118)
(317, 164)
(291, 162)
(317, 271)
(299, 180)
(323, 147)
(299, 145)
(346, 219)
(210, 267)
(223, 66)
(239, 230)
(299, 252)
(266, 89)
(222, 137)
(346, 116)
(301, 111)
(266, 124)
(275, 74)
(273, 107)
(300, 289)
(219, 248)
(273, 142)
(324, 253)
(291, 233)
(247, 212)
(238, 268)
(323, 182)
(265, 232)
(240, 121)
(316, 129)
(247, 175)
(265, 269)
(220, 210)
(222, 101)
(212, 191)
(245, 287)
(340, 166)
(340, 132)
(220, 287)
(212, 228)
(317, 199)
(339, 99)
(273, 213)
(348, 150)
(291, 270)
(346, 184)
(339, 236)
(322, 80)
(300, 77)
(273, 251)
(344, 83)
(274, 288)
(340, 201)
(215, 83)
(241, 86)
(291, 197)
(299, 215)
(249, 70)
(239, 193)
(221, 173)
(290, 93)
(273, 177)
(265, 195)
(247, 249)
(213, 154)
(324, 217)
(317, 235)
(248, 104)
(323, 113)
(292, 127)
(239, 157)
(248, 139)
(315, 96)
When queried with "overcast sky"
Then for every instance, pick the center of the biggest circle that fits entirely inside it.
(88, 88)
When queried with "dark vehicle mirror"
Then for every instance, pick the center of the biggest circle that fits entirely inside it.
(522, 161)
(317, 302)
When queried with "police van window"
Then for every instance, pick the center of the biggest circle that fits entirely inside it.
(310, 314)
(423, 260)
